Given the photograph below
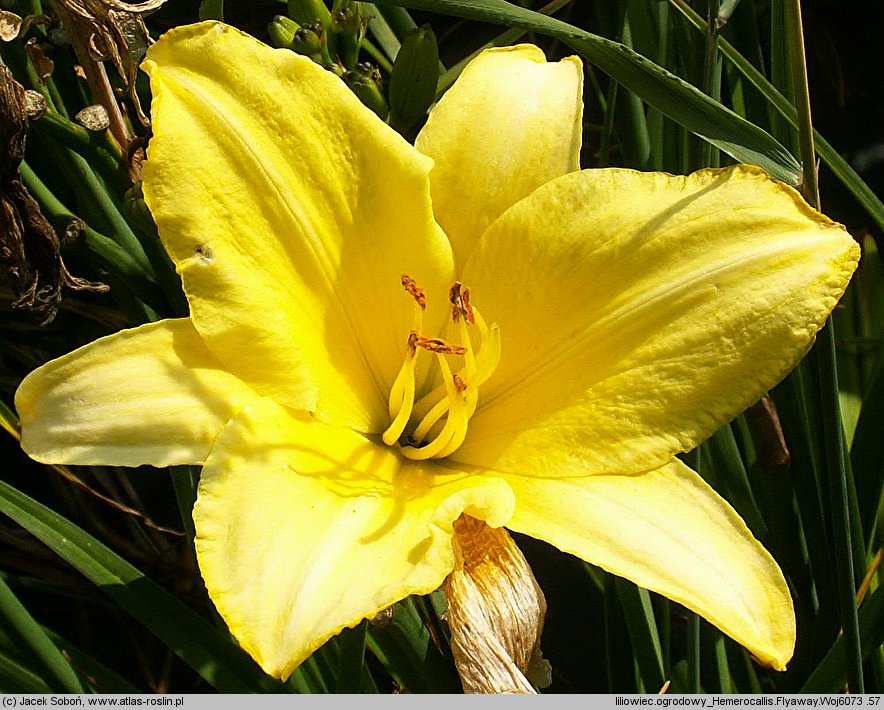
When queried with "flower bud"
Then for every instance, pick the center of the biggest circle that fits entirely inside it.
(310, 41)
(282, 31)
(414, 78)
(348, 24)
(364, 81)
(308, 12)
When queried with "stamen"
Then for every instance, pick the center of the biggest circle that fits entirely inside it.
(479, 367)
(437, 345)
(458, 395)
(415, 291)
(487, 359)
(460, 303)
(401, 400)
(455, 424)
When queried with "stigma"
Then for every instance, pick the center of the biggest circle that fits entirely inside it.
(435, 425)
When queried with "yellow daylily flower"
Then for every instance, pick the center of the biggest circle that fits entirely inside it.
(353, 378)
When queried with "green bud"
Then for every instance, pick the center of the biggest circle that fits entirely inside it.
(308, 12)
(282, 31)
(414, 78)
(348, 24)
(310, 41)
(364, 81)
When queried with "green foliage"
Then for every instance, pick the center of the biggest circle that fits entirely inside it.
(668, 88)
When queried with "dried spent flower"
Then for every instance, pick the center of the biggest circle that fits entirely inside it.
(495, 612)
(29, 247)
(113, 31)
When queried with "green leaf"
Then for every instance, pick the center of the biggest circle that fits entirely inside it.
(15, 678)
(101, 678)
(669, 94)
(867, 453)
(380, 29)
(830, 675)
(33, 643)
(212, 10)
(404, 646)
(840, 167)
(351, 659)
(642, 627)
(203, 647)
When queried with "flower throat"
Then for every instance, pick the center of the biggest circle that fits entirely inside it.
(435, 426)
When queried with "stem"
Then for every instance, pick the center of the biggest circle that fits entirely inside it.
(84, 143)
(694, 685)
(91, 192)
(709, 156)
(377, 55)
(608, 126)
(809, 184)
(838, 165)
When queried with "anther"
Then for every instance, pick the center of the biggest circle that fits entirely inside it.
(437, 345)
(460, 303)
(415, 291)
(439, 421)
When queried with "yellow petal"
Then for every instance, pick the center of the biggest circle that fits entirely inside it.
(510, 123)
(304, 529)
(668, 531)
(638, 312)
(149, 395)
(291, 212)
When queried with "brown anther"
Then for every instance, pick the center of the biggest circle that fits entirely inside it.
(415, 291)
(459, 384)
(460, 303)
(437, 345)
(467, 306)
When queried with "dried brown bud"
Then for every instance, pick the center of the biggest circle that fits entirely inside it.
(10, 24)
(35, 105)
(495, 612)
(93, 118)
(41, 61)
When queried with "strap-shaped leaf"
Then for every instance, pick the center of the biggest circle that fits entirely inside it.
(672, 96)
(203, 647)
(861, 192)
(44, 656)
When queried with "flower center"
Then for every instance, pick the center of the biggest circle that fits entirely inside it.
(435, 426)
